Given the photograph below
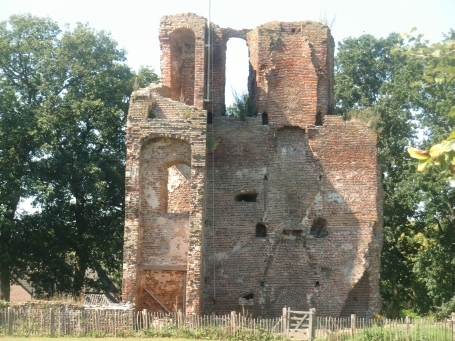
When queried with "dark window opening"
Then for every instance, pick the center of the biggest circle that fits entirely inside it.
(317, 284)
(265, 118)
(261, 230)
(246, 197)
(326, 272)
(265, 177)
(209, 117)
(318, 119)
(296, 233)
(293, 30)
(319, 228)
(248, 297)
(321, 176)
(262, 284)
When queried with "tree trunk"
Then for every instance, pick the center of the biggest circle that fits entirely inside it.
(5, 279)
(81, 250)
(5, 240)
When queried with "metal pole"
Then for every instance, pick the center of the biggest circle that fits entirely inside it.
(208, 45)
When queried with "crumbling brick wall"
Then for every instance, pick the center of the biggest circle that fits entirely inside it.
(225, 214)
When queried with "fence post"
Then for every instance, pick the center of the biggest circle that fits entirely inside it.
(52, 321)
(453, 325)
(352, 325)
(179, 319)
(312, 325)
(233, 317)
(407, 327)
(97, 319)
(10, 321)
(283, 322)
(144, 319)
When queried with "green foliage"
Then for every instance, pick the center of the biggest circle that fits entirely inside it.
(439, 81)
(409, 313)
(212, 143)
(446, 309)
(242, 106)
(209, 333)
(144, 77)
(63, 104)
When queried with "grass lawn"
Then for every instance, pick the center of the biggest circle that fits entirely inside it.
(64, 338)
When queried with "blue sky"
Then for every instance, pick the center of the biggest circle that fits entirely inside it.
(134, 24)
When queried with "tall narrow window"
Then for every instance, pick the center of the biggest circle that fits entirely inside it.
(237, 69)
(265, 118)
(182, 42)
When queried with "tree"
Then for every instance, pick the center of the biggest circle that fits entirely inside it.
(242, 106)
(26, 45)
(145, 76)
(63, 104)
(438, 81)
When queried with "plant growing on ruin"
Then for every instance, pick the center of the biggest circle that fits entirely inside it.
(212, 143)
(242, 106)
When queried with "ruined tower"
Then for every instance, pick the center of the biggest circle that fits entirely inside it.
(223, 214)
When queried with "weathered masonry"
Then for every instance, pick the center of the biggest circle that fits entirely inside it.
(226, 214)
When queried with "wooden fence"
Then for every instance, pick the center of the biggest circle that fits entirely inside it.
(27, 321)
(406, 329)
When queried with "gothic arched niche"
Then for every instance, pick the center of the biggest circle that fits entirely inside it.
(182, 43)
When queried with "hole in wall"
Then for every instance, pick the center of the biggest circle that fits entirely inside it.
(318, 119)
(163, 245)
(265, 118)
(246, 197)
(248, 297)
(326, 272)
(295, 233)
(319, 228)
(261, 230)
(209, 117)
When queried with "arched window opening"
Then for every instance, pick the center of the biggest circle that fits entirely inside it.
(237, 70)
(319, 228)
(182, 43)
(261, 230)
(178, 188)
(246, 197)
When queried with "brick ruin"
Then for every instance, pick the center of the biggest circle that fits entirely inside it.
(225, 214)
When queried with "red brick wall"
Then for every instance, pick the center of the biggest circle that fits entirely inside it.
(315, 178)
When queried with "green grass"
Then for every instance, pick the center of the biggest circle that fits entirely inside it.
(87, 338)
(378, 333)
